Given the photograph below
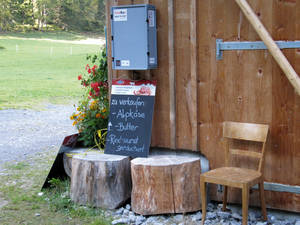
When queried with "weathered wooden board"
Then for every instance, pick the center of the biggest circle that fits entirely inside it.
(245, 86)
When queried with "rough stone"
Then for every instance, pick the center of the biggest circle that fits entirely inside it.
(128, 207)
(197, 216)
(252, 216)
(178, 217)
(211, 215)
(119, 211)
(125, 212)
(223, 215)
(236, 216)
(120, 221)
(261, 223)
(139, 220)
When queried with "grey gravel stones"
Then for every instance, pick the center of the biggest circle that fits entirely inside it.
(213, 217)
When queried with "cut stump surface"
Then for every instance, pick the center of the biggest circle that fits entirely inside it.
(165, 184)
(100, 180)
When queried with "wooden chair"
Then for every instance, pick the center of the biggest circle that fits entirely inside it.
(235, 176)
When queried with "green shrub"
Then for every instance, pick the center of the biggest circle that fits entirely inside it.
(91, 116)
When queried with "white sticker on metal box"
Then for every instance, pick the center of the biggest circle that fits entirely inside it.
(125, 63)
(151, 60)
(120, 14)
(151, 18)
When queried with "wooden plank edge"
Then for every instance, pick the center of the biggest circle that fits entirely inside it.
(172, 83)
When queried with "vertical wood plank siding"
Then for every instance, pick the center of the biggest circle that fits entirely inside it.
(196, 92)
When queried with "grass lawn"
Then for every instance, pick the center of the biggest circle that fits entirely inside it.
(33, 72)
(21, 203)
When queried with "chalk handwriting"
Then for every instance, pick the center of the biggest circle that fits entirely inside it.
(129, 114)
(137, 102)
(126, 127)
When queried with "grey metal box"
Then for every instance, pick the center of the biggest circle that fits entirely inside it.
(133, 40)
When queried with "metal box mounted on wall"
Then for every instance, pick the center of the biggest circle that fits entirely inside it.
(133, 29)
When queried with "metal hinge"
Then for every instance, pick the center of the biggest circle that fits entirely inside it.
(249, 45)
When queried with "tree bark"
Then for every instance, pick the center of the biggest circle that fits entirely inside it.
(165, 184)
(100, 180)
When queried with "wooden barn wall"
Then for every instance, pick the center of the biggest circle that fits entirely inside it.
(196, 92)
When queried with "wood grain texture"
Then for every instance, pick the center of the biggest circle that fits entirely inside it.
(172, 75)
(186, 74)
(245, 86)
(162, 131)
(100, 180)
(271, 45)
(165, 184)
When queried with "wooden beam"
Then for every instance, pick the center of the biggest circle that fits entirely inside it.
(193, 87)
(147, 72)
(172, 80)
(108, 47)
(271, 45)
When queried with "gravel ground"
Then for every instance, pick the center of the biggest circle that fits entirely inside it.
(26, 132)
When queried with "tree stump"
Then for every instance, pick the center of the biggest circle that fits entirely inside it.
(100, 180)
(67, 159)
(165, 184)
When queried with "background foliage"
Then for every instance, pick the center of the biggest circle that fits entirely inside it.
(77, 15)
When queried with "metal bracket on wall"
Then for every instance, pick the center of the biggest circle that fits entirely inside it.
(249, 45)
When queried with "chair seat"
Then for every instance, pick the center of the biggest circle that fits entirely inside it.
(232, 176)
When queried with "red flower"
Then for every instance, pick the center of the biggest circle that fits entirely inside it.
(80, 77)
(91, 94)
(89, 70)
(94, 85)
(87, 67)
(84, 84)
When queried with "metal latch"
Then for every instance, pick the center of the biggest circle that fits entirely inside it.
(249, 45)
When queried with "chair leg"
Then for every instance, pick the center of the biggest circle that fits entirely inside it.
(245, 203)
(203, 198)
(262, 200)
(225, 198)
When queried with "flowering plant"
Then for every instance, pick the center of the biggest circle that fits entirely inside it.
(91, 115)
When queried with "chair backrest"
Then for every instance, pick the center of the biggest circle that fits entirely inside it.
(245, 132)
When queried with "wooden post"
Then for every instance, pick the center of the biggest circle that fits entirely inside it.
(271, 45)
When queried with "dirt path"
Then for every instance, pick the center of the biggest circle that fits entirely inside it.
(26, 132)
(88, 41)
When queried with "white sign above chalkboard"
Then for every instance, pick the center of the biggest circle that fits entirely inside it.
(130, 118)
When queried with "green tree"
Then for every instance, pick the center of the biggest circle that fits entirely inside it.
(6, 18)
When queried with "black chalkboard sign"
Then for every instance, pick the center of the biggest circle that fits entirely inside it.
(130, 118)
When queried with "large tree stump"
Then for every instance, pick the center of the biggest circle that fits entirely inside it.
(165, 184)
(100, 180)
